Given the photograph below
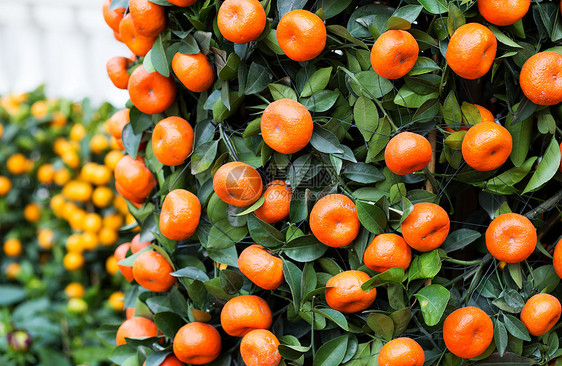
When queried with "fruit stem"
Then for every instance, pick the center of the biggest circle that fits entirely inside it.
(228, 144)
(464, 263)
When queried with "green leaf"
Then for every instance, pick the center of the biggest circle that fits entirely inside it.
(258, 78)
(452, 112)
(455, 20)
(434, 6)
(381, 324)
(500, 336)
(224, 235)
(332, 352)
(189, 46)
(366, 117)
(433, 301)
(459, 239)
(304, 249)
(203, 157)
(547, 167)
(371, 216)
(139, 121)
(231, 281)
(321, 101)
(516, 327)
(334, 316)
(391, 275)
(545, 278)
(263, 233)
(363, 173)
(317, 82)
(293, 277)
(331, 8)
(370, 84)
(502, 38)
(403, 17)
(131, 140)
(158, 58)
(406, 97)
(168, 323)
(423, 65)
(325, 141)
(280, 91)
(505, 182)
(11, 294)
(191, 272)
(426, 265)
(230, 68)
(283, 7)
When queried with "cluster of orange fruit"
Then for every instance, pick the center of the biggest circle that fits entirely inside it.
(287, 127)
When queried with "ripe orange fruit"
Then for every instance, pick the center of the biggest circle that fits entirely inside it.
(152, 271)
(407, 152)
(262, 268)
(92, 222)
(62, 176)
(133, 180)
(394, 54)
(111, 265)
(12, 247)
(557, 258)
(301, 35)
(485, 114)
(180, 214)
(45, 238)
(32, 212)
(73, 261)
(540, 313)
(245, 313)
(116, 301)
(197, 343)
(401, 351)
(286, 126)
(172, 141)
(120, 254)
(5, 186)
(511, 238)
(277, 202)
(17, 164)
(112, 17)
(137, 245)
(117, 71)
(541, 78)
(77, 132)
(486, 146)
(74, 290)
(112, 158)
(137, 43)
(46, 174)
(426, 227)
(107, 236)
(116, 123)
(135, 327)
(194, 71)
(13, 270)
(241, 21)
(387, 251)
(503, 13)
(334, 220)
(149, 18)
(170, 360)
(345, 294)
(102, 196)
(151, 92)
(471, 51)
(238, 184)
(468, 332)
(182, 3)
(259, 348)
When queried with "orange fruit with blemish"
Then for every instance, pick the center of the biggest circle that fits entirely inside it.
(468, 332)
(345, 293)
(426, 227)
(260, 348)
(394, 54)
(541, 78)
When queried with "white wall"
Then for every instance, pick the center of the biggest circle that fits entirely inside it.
(63, 43)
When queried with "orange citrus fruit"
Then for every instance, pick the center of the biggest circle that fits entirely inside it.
(151, 92)
(334, 221)
(259, 348)
(136, 327)
(540, 313)
(172, 141)
(301, 35)
(394, 54)
(238, 184)
(471, 51)
(486, 146)
(387, 251)
(261, 267)
(426, 227)
(241, 21)
(181, 211)
(541, 78)
(194, 71)
(245, 313)
(345, 293)
(407, 152)
(277, 202)
(511, 238)
(152, 271)
(503, 12)
(401, 351)
(468, 332)
(197, 343)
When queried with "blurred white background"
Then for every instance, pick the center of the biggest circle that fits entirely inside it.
(62, 43)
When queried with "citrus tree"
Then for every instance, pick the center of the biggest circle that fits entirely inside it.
(339, 182)
(58, 222)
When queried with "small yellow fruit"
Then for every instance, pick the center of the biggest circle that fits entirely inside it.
(107, 236)
(12, 247)
(111, 265)
(73, 261)
(13, 270)
(98, 144)
(5, 186)
(74, 290)
(45, 238)
(77, 133)
(32, 212)
(116, 301)
(46, 174)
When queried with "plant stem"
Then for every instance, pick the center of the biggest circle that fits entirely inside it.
(464, 263)
(545, 206)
